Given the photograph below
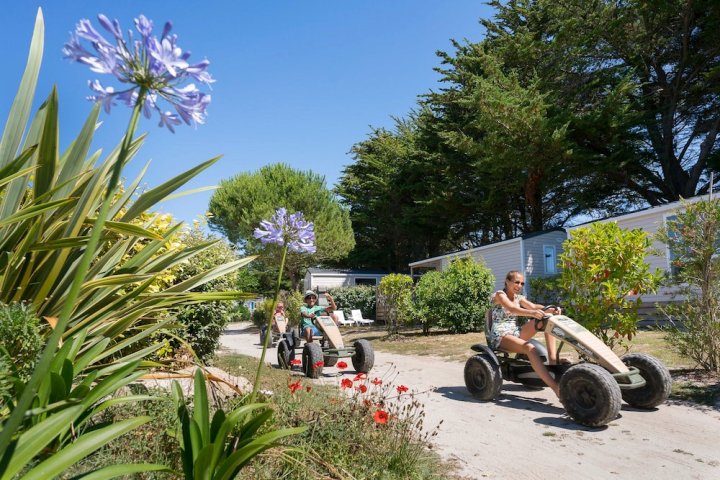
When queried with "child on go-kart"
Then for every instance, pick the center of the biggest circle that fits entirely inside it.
(505, 333)
(310, 311)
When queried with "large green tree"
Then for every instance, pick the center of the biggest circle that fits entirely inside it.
(637, 81)
(241, 202)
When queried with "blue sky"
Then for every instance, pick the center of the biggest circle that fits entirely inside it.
(298, 82)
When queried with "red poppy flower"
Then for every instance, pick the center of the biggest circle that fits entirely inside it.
(294, 387)
(380, 417)
(295, 361)
(359, 376)
(341, 365)
(402, 389)
(367, 403)
(376, 381)
(361, 388)
(319, 364)
(346, 383)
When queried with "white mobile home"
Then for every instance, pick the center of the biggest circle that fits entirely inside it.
(321, 280)
(534, 254)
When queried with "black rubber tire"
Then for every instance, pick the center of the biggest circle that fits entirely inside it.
(285, 355)
(590, 395)
(483, 378)
(658, 381)
(364, 357)
(311, 356)
(330, 361)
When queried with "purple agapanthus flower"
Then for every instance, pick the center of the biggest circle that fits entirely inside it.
(156, 64)
(291, 230)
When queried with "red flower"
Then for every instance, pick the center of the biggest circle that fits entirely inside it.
(359, 376)
(294, 387)
(319, 364)
(376, 381)
(380, 417)
(361, 388)
(346, 383)
(341, 365)
(402, 389)
(295, 361)
(367, 403)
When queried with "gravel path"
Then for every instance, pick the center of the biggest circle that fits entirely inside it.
(525, 434)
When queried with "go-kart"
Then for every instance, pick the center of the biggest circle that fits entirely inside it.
(281, 323)
(591, 391)
(324, 350)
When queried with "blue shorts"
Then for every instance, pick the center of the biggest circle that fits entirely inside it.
(315, 331)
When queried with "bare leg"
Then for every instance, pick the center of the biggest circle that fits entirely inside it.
(528, 331)
(308, 334)
(518, 345)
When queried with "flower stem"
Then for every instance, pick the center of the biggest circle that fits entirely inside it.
(43, 364)
(268, 331)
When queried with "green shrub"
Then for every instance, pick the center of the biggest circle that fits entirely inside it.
(396, 291)
(547, 290)
(362, 297)
(204, 322)
(694, 240)
(602, 265)
(456, 298)
(20, 336)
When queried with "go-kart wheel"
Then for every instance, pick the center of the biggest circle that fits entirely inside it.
(312, 360)
(330, 361)
(285, 354)
(364, 357)
(590, 395)
(658, 381)
(482, 378)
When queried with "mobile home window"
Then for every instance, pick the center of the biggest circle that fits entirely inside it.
(671, 253)
(549, 254)
(366, 281)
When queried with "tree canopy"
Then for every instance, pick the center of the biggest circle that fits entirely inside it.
(564, 109)
(241, 202)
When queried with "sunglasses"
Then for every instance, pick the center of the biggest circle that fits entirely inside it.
(518, 282)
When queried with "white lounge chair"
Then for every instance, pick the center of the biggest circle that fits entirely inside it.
(357, 316)
(340, 315)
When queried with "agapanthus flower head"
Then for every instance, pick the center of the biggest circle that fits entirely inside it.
(291, 230)
(158, 65)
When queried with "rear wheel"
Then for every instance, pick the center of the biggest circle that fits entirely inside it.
(285, 354)
(482, 378)
(312, 360)
(658, 381)
(364, 357)
(330, 361)
(590, 395)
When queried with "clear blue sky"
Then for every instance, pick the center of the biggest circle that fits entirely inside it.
(297, 81)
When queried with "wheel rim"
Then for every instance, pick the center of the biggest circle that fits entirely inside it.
(478, 379)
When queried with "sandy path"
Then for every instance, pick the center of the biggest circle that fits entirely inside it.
(525, 434)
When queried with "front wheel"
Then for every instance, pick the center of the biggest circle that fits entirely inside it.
(590, 395)
(312, 360)
(482, 378)
(658, 381)
(285, 354)
(363, 359)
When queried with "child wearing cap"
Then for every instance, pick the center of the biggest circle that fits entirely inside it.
(310, 310)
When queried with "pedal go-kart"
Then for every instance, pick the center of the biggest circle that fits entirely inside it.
(591, 391)
(282, 324)
(324, 350)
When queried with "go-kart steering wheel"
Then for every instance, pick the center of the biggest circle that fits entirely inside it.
(541, 323)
